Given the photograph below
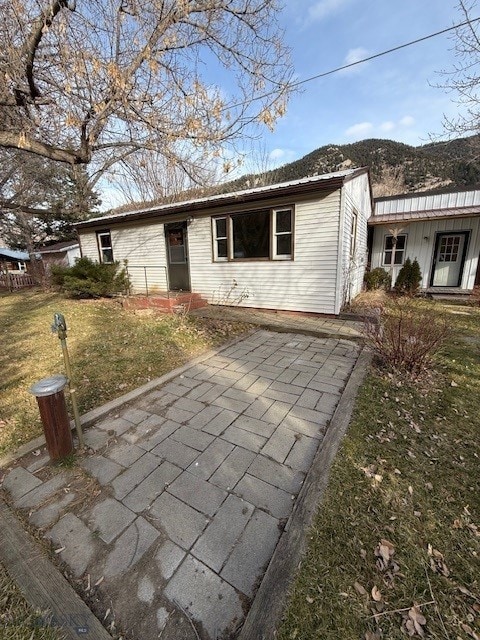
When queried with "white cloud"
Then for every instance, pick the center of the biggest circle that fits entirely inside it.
(355, 55)
(359, 130)
(407, 121)
(387, 126)
(363, 130)
(276, 154)
(324, 8)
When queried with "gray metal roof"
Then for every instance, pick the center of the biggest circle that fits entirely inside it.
(324, 181)
(10, 254)
(426, 206)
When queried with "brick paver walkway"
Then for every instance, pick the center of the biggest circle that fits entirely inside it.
(174, 514)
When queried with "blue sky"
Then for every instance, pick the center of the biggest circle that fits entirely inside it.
(391, 97)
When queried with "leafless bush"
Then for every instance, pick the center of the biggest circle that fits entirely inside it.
(406, 333)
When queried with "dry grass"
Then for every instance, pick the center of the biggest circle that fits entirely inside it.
(407, 473)
(112, 352)
(18, 621)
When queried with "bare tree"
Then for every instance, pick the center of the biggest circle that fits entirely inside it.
(105, 81)
(463, 80)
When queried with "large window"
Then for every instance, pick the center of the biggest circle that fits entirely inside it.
(394, 249)
(105, 250)
(255, 235)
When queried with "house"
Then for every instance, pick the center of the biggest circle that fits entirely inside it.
(13, 269)
(298, 245)
(64, 254)
(13, 261)
(442, 231)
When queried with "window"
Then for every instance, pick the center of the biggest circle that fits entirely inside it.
(282, 231)
(449, 248)
(220, 249)
(394, 250)
(254, 235)
(105, 249)
(353, 234)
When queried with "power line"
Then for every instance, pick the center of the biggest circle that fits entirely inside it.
(293, 85)
(383, 53)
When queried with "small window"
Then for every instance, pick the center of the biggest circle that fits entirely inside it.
(105, 249)
(394, 250)
(282, 234)
(220, 246)
(353, 235)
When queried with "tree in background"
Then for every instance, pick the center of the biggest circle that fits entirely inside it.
(104, 82)
(463, 80)
(41, 199)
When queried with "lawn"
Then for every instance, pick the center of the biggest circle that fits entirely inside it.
(112, 351)
(394, 550)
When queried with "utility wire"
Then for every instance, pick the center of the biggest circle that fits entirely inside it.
(293, 85)
(383, 53)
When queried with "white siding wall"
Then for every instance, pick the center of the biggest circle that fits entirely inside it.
(144, 248)
(308, 283)
(422, 250)
(356, 197)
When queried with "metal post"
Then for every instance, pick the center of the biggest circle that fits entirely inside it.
(60, 327)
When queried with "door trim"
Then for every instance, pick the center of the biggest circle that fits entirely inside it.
(183, 224)
(438, 237)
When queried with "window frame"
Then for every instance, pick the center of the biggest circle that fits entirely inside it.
(393, 251)
(104, 233)
(216, 238)
(273, 235)
(353, 234)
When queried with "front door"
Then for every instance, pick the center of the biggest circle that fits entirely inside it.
(450, 249)
(177, 256)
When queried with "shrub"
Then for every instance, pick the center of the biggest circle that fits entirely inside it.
(88, 279)
(407, 334)
(409, 278)
(377, 279)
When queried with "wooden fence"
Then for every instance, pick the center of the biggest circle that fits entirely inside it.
(14, 281)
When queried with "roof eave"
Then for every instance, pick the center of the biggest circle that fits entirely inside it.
(197, 206)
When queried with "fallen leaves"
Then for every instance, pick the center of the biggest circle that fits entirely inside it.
(376, 594)
(414, 621)
(437, 562)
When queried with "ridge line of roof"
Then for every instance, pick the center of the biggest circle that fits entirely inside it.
(232, 195)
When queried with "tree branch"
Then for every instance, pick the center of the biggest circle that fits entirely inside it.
(41, 23)
(12, 140)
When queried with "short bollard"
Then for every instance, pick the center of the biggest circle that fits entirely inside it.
(53, 411)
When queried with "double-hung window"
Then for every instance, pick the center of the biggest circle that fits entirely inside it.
(105, 249)
(394, 249)
(266, 234)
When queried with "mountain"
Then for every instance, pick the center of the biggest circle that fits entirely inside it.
(394, 167)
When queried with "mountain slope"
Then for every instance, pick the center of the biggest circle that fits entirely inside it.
(394, 167)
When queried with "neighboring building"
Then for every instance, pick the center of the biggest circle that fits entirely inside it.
(13, 261)
(442, 231)
(60, 253)
(297, 246)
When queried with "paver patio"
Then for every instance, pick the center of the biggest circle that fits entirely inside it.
(172, 517)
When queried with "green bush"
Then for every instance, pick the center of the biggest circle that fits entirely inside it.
(88, 279)
(377, 279)
(409, 278)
